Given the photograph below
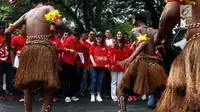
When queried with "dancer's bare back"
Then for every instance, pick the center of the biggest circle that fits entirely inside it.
(36, 24)
(149, 48)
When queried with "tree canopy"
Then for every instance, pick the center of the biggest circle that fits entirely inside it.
(94, 14)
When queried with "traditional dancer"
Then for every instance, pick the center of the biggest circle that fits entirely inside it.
(182, 92)
(38, 69)
(145, 74)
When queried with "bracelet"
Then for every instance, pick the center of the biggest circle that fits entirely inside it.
(12, 27)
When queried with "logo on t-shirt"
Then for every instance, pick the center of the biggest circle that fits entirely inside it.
(4, 53)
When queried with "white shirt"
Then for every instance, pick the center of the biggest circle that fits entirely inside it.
(89, 41)
(109, 42)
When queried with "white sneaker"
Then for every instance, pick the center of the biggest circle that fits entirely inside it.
(114, 99)
(21, 100)
(74, 98)
(144, 97)
(67, 99)
(92, 98)
(98, 98)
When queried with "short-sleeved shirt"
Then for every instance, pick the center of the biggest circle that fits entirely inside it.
(18, 43)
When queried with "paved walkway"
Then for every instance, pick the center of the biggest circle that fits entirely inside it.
(84, 105)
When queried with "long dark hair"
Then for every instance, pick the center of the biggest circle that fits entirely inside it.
(100, 34)
(122, 40)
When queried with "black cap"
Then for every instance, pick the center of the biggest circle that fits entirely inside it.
(100, 34)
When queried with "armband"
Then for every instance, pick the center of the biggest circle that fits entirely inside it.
(53, 16)
(142, 38)
(12, 27)
(18, 31)
(163, 41)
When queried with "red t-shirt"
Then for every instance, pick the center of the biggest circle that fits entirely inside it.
(85, 50)
(71, 43)
(18, 43)
(100, 55)
(116, 55)
(4, 54)
(57, 42)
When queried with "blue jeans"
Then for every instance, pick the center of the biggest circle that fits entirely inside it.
(151, 102)
(84, 76)
(97, 75)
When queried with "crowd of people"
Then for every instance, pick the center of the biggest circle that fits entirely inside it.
(52, 59)
(90, 61)
(87, 58)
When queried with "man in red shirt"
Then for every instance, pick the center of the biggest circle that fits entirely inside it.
(5, 64)
(17, 44)
(83, 68)
(69, 66)
(56, 40)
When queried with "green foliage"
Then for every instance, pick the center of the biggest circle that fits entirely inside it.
(14, 10)
(4, 10)
(98, 14)
(123, 27)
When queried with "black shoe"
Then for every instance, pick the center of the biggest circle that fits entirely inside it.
(106, 96)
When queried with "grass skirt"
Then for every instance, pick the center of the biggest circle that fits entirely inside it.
(38, 68)
(182, 93)
(145, 74)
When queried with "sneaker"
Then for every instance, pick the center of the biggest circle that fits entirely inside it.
(74, 98)
(130, 98)
(98, 98)
(41, 99)
(134, 98)
(106, 96)
(2, 98)
(114, 99)
(81, 93)
(144, 97)
(92, 98)
(55, 99)
(15, 97)
(21, 100)
(68, 100)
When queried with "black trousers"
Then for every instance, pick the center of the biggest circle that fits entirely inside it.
(106, 84)
(60, 90)
(69, 79)
(7, 69)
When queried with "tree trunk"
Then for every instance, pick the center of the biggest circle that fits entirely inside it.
(86, 14)
(98, 11)
(69, 12)
(154, 16)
